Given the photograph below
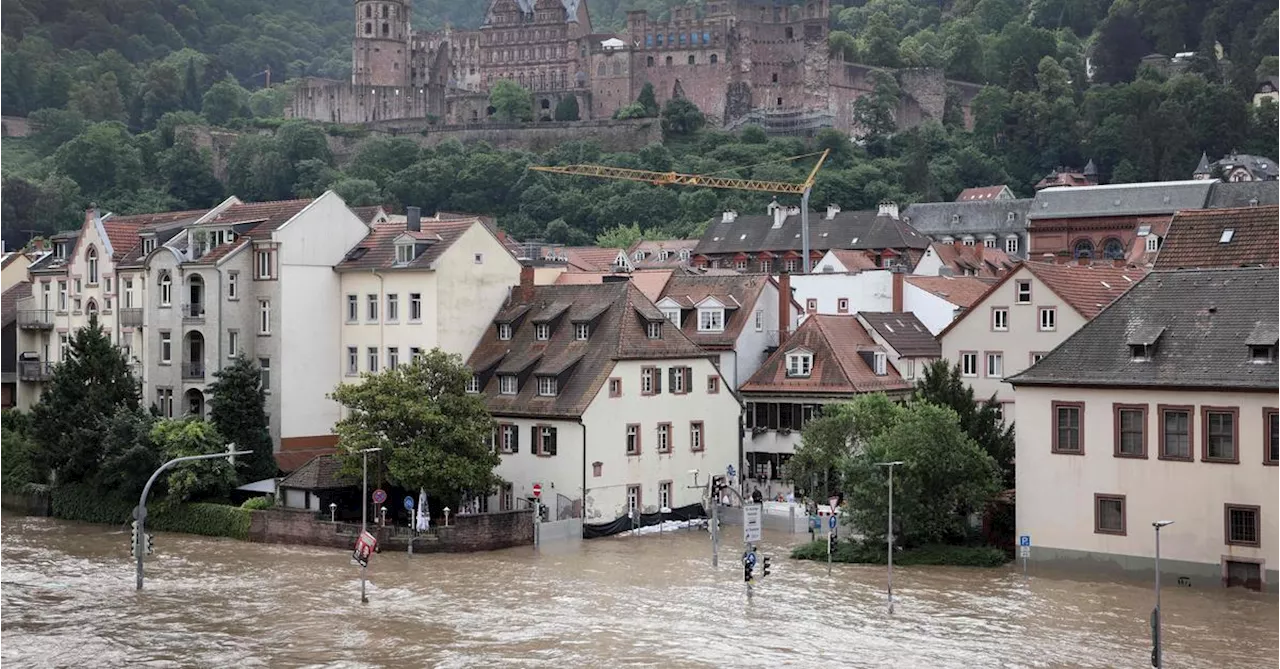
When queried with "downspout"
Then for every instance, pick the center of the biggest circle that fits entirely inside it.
(221, 289)
(584, 476)
(382, 320)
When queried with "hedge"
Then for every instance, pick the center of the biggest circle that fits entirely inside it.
(258, 503)
(859, 553)
(79, 502)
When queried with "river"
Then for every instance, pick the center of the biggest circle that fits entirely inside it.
(68, 601)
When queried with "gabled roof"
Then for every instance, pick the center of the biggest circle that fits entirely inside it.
(962, 291)
(370, 215)
(733, 290)
(839, 368)
(162, 232)
(956, 218)
(266, 217)
(9, 301)
(1231, 194)
(649, 281)
(123, 231)
(845, 230)
(985, 193)
(1207, 316)
(975, 260)
(378, 249)
(593, 258)
(319, 473)
(1196, 239)
(1164, 197)
(853, 261)
(618, 332)
(653, 248)
(904, 332)
(1086, 288)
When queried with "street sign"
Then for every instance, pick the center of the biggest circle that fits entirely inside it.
(364, 548)
(1026, 551)
(834, 502)
(379, 496)
(537, 491)
(831, 522)
(1024, 540)
(729, 471)
(751, 521)
(408, 502)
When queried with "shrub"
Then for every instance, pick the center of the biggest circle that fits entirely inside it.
(936, 554)
(258, 503)
(81, 502)
(210, 520)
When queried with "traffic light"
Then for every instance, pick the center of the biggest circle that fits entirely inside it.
(717, 485)
(151, 543)
(831, 541)
(765, 567)
(747, 568)
(133, 541)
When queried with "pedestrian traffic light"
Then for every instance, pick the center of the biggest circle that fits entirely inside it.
(831, 541)
(748, 566)
(151, 544)
(765, 567)
(133, 540)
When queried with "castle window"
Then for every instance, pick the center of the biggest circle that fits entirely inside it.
(775, 77)
(668, 61)
(368, 28)
(600, 70)
(659, 39)
(790, 33)
(386, 29)
(691, 60)
(649, 61)
(368, 12)
(617, 67)
(385, 11)
(714, 59)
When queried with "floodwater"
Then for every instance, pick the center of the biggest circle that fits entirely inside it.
(68, 601)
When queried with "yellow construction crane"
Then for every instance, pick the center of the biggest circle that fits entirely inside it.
(708, 181)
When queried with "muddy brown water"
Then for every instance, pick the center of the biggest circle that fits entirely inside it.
(68, 600)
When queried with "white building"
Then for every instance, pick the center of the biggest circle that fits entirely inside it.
(938, 300)
(1163, 407)
(847, 292)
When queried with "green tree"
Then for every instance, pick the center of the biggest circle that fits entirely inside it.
(754, 134)
(941, 384)
(633, 110)
(841, 44)
(567, 108)
(881, 39)
(357, 192)
(100, 159)
(17, 452)
(828, 441)
(51, 128)
(433, 434)
(128, 457)
(200, 479)
(511, 101)
(225, 100)
(99, 100)
(681, 117)
(189, 173)
(648, 100)
(238, 409)
(380, 157)
(876, 114)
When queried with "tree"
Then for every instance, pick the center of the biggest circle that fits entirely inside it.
(52, 128)
(92, 383)
(567, 108)
(238, 409)
(100, 159)
(511, 101)
(189, 172)
(201, 479)
(224, 101)
(882, 40)
(633, 110)
(828, 441)
(648, 100)
(433, 434)
(942, 385)
(357, 192)
(681, 117)
(876, 114)
(1120, 45)
(99, 100)
(944, 476)
(841, 44)
(128, 457)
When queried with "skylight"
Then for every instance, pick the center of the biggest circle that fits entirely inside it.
(1226, 236)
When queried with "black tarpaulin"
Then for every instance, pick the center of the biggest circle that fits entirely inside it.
(624, 523)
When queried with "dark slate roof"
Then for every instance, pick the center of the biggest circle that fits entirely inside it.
(319, 473)
(618, 332)
(837, 344)
(904, 332)
(738, 290)
(1231, 194)
(1257, 166)
(1208, 317)
(937, 218)
(378, 249)
(1195, 239)
(845, 230)
(1164, 197)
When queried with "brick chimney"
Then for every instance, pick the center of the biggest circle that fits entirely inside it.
(899, 274)
(525, 292)
(784, 306)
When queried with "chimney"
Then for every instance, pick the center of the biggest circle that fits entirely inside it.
(525, 293)
(729, 216)
(832, 210)
(899, 274)
(779, 214)
(413, 219)
(784, 306)
(889, 209)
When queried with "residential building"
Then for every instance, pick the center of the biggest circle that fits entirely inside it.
(1205, 238)
(830, 358)
(910, 345)
(662, 253)
(1235, 167)
(1063, 177)
(13, 267)
(937, 300)
(47, 307)
(1163, 407)
(1268, 91)
(958, 259)
(1023, 317)
(597, 398)
(985, 193)
(848, 293)
(419, 284)
(994, 224)
(1235, 194)
(9, 342)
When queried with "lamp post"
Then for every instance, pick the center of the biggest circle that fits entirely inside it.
(1156, 659)
(333, 512)
(889, 538)
(364, 514)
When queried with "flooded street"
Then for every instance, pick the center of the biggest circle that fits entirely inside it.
(68, 601)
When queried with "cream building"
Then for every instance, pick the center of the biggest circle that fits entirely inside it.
(1161, 408)
(1023, 317)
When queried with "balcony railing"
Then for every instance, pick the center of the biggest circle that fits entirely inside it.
(193, 370)
(130, 318)
(35, 370)
(192, 311)
(35, 319)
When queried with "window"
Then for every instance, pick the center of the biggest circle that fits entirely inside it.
(166, 348)
(713, 384)
(353, 309)
(695, 435)
(106, 282)
(655, 330)
(264, 365)
(1153, 243)
(371, 356)
(648, 381)
(989, 242)
(1083, 250)
(1108, 514)
(415, 307)
(681, 379)
(164, 401)
(62, 296)
(353, 361)
(672, 315)
(615, 387)
(1262, 354)
(393, 308)
(714, 59)
(393, 357)
(799, 364)
(78, 287)
(233, 343)
(504, 331)
(710, 320)
(1036, 357)
(506, 499)
(91, 258)
(1011, 245)
(508, 384)
(664, 488)
(148, 245)
(791, 265)
(404, 253)
(907, 366)
(759, 320)
(510, 435)
(1130, 430)
(1219, 441)
(414, 354)
(842, 305)
(264, 317)
(880, 361)
(995, 365)
(542, 331)
(765, 265)
(1271, 427)
(1000, 319)
(166, 291)
(633, 439)
(664, 437)
(1067, 434)
(999, 410)
(547, 386)
(1175, 433)
(473, 384)
(633, 491)
(264, 265)
(969, 364)
(1048, 319)
(811, 305)
(1024, 292)
(233, 285)
(1242, 525)
(371, 313)
(546, 440)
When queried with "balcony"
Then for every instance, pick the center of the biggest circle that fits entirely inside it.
(130, 318)
(193, 370)
(193, 311)
(35, 370)
(35, 319)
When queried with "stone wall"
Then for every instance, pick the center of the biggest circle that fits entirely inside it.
(468, 533)
(630, 135)
(29, 502)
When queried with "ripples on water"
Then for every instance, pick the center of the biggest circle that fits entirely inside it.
(68, 601)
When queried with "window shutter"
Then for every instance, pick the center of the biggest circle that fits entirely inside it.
(688, 379)
(515, 438)
(671, 373)
(657, 380)
(550, 448)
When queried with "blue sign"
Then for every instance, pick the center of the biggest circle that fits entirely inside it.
(831, 522)
(814, 523)
(751, 559)
(1024, 540)
(408, 503)
(729, 471)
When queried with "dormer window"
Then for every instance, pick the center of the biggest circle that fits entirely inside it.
(542, 331)
(881, 362)
(711, 320)
(504, 331)
(799, 364)
(404, 253)
(148, 245)
(547, 386)
(638, 255)
(1153, 243)
(581, 331)
(655, 330)
(1140, 352)
(684, 254)
(60, 250)
(968, 241)
(672, 315)
(1010, 216)
(473, 384)
(1262, 354)
(508, 384)
(663, 255)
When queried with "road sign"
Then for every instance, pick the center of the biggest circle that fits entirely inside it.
(751, 514)
(537, 491)
(831, 522)
(1024, 540)
(729, 471)
(139, 512)
(379, 496)
(408, 502)
(751, 559)
(1026, 551)
(364, 548)
(834, 502)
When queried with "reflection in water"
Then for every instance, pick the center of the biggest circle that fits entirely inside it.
(68, 600)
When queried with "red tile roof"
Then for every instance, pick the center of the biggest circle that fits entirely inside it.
(838, 344)
(1195, 238)
(975, 260)
(962, 291)
(9, 301)
(122, 231)
(380, 248)
(269, 216)
(590, 258)
(980, 193)
(854, 261)
(651, 282)
(1086, 288)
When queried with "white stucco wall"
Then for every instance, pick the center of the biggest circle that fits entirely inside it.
(558, 474)
(930, 264)
(933, 311)
(870, 290)
(471, 290)
(403, 333)
(750, 351)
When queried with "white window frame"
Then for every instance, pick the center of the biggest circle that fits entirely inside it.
(166, 289)
(393, 357)
(677, 380)
(264, 263)
(371, 308)
(353, 308)
(664, 495)
(759, 320)
(673, 315)
(1048, 319)
(881, 362)
(233, 343)
(393, 307)
(1021, 297)
(646, 380)
(582, 331)
(264, 378)
(264, 317)
(1011, 245)
(62, 296)
(508, 384)
(473, 384)
(1000, 319)
(415, 307)
(799, 365)
(1152, 243)
(166, 348)
(371, 357)
(664, 438)
(548, 386)
(969, 364)
(655, 330)
(989, 242)
(711, 320)
(542, 331)
(995, 365)
(233, 285)
(404, 254)
(353, 361)
(695, 435)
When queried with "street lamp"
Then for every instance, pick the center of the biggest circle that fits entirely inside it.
(889, 539)
(364, 514)
(1156, 659)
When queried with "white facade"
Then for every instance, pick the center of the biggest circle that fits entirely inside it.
(1056, 492)
(869, 290)
(930, 263)
(935, 312)
(758, 335)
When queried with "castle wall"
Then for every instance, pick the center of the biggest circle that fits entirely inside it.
(337, 102)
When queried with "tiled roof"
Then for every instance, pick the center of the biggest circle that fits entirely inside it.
(369, 215)
(590, 258)
(1086, 288)
(653, 249)
(617, 332)
(962, 291)
(838, 345)
(845, 230)
(741, 291)
(1164, 197)
(1196, 239)
(319, 473)
(1207, 317)
(956, 218)
(904, 332)
(982, 193)
(378, 249)
(853, 261)
(9, 301)
(650, 281)
(1230, 194)
(123, 231)
(267, 216)
(975, 260)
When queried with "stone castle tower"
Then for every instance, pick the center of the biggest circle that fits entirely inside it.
(380, 50)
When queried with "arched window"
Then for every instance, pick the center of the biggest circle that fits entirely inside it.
(714, 59)
(1113, 249)
(91, 258)
(166, 289)
(1083, 250)
(368, 11)
(91, 307)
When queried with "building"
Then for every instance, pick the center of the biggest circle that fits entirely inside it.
(1206, 238)
(937, 300)
(959, 259)
(996, 223)
(1268, 90)
(1067, 178)
(828, 359)
(662, 254)
(1231, 195)
(910, 345)
(412, 286)
(601, 401)
(1161, 408)
(848, 292)
(1235, 167)
(13, 266)
(9, 342)
(985, 193)
(1122, 222)
(1023, 317)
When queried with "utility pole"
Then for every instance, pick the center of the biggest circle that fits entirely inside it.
(364, 514)
(1157, 659)
(889, 538)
